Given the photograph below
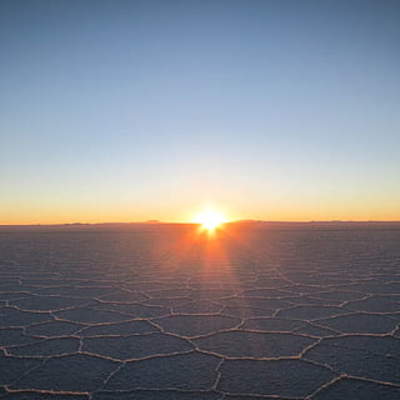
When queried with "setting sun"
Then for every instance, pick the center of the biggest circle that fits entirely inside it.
(210, 219)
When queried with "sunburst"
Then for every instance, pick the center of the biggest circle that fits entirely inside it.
(210, 220)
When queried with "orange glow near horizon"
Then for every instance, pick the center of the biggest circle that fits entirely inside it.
(47, 213)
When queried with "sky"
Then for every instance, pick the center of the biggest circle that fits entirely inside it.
(134, 110)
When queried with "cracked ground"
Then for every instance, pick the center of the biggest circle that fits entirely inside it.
(163, 312)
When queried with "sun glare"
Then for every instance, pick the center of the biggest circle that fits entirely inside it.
(210, 220)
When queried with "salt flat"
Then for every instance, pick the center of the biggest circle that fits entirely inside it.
(306, 311)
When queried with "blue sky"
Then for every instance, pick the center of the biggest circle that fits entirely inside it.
(131, 110)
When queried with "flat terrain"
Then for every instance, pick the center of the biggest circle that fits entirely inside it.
(164, 312)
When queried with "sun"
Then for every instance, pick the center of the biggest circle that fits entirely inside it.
(210, 219)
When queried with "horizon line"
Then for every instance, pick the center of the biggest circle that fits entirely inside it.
(159, 222)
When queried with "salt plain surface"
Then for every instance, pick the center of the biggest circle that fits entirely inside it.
(161, 312)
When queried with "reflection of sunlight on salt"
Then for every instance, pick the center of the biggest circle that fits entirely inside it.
(211, 261)
(215, 265)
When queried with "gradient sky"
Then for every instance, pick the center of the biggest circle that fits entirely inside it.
(133, 110)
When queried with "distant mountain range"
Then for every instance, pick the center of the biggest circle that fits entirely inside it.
(247, 223)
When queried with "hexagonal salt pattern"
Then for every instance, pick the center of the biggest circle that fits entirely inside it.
(135, 314)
